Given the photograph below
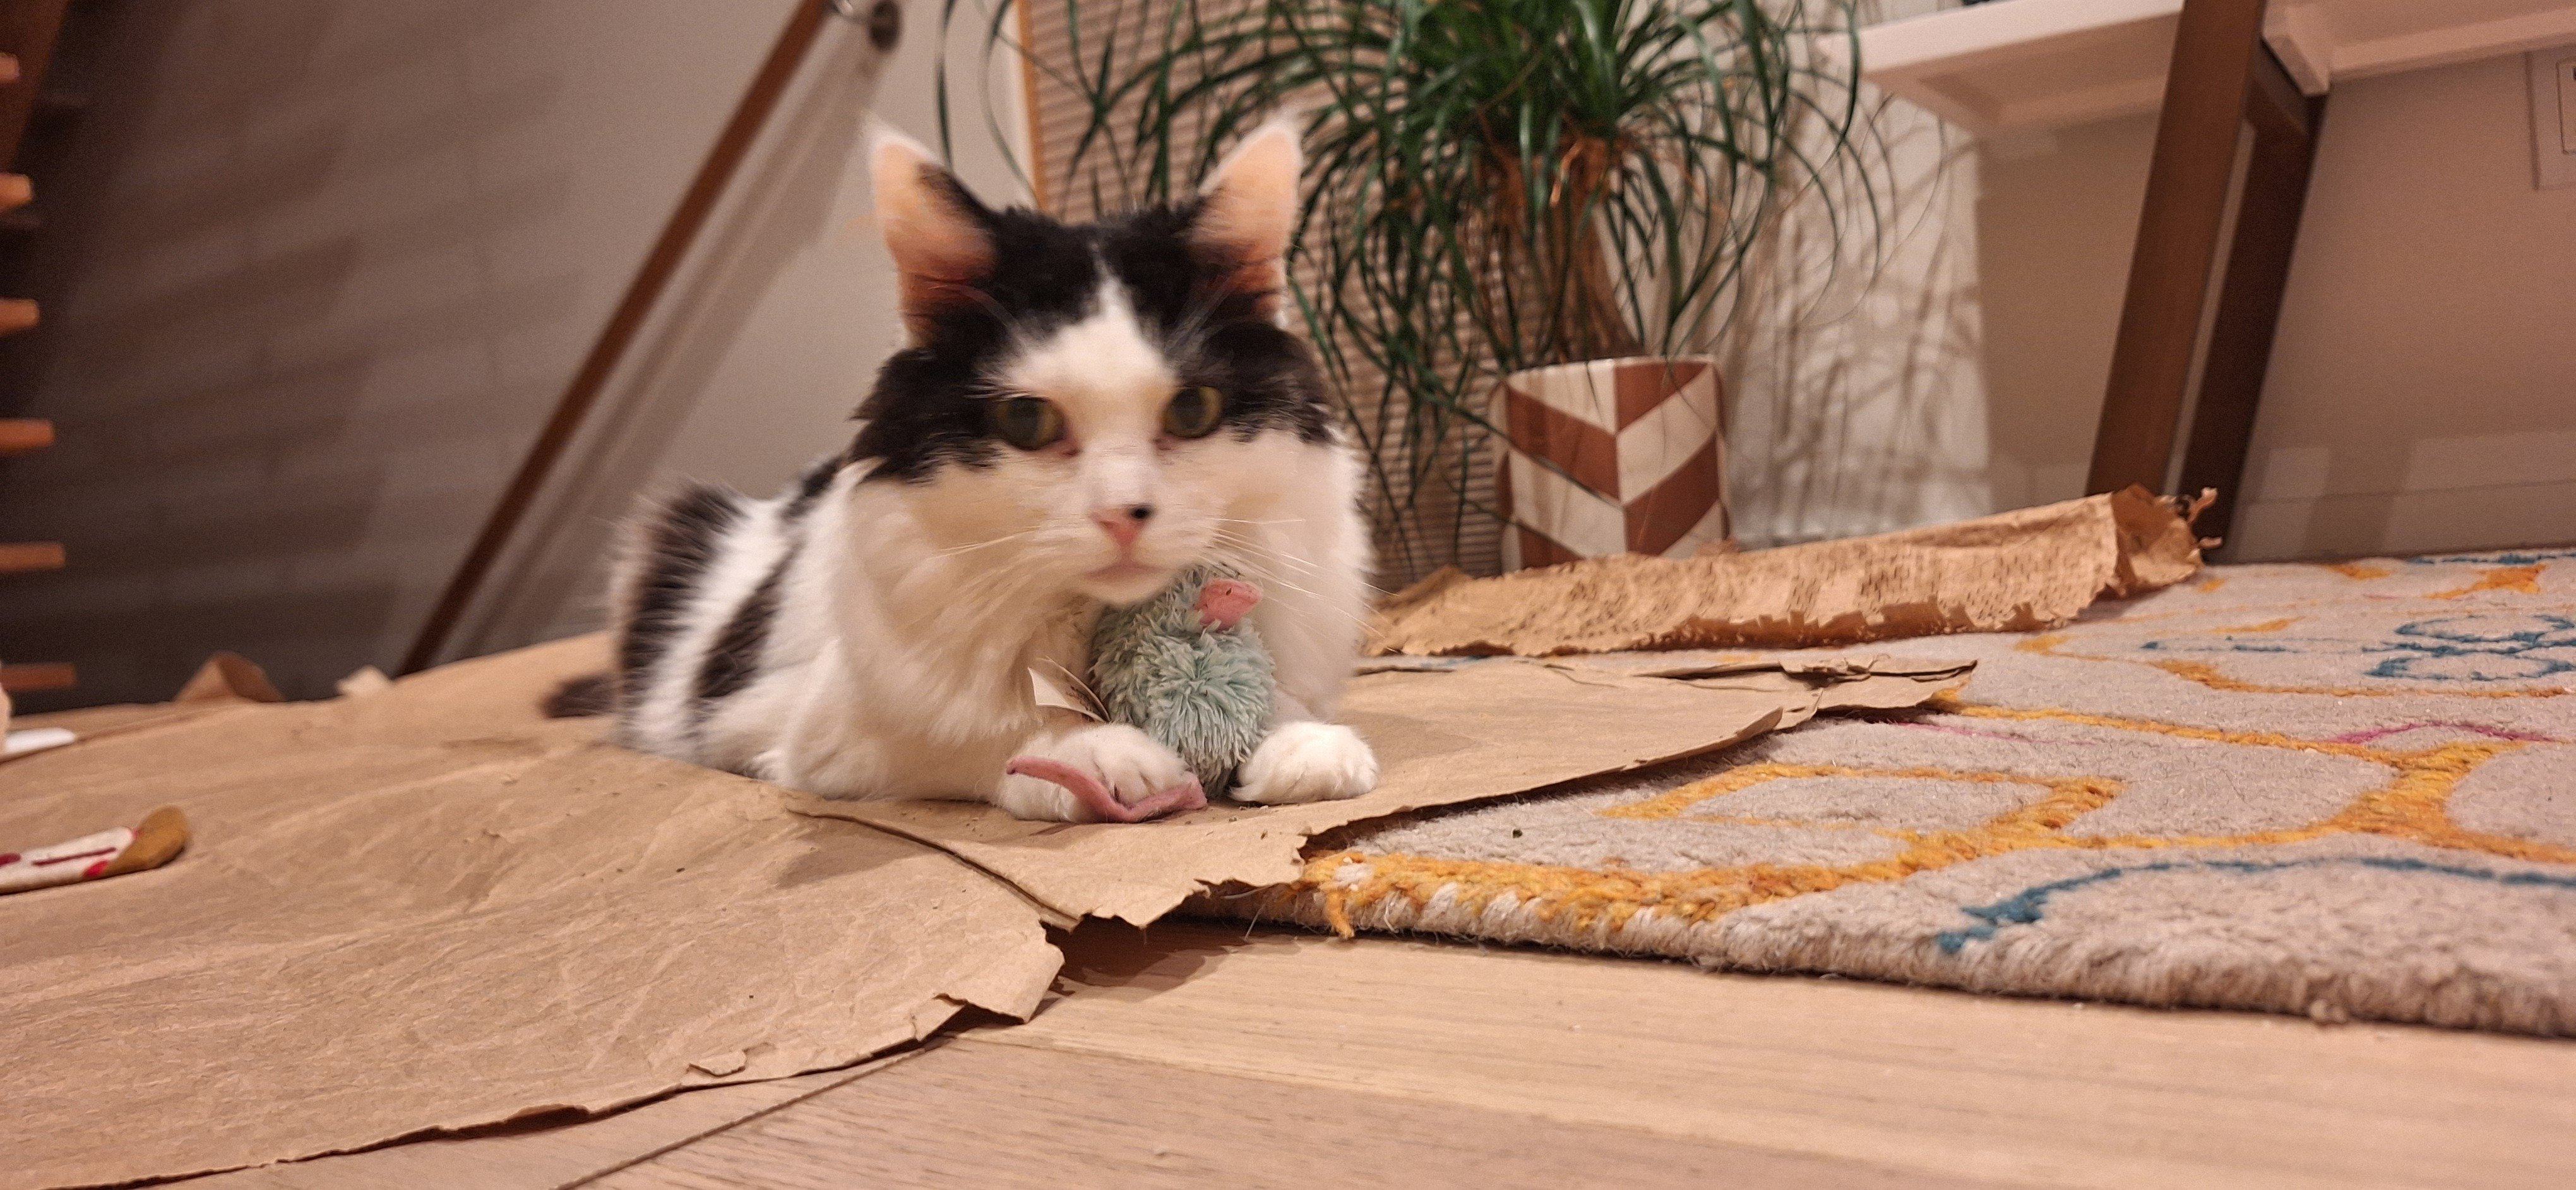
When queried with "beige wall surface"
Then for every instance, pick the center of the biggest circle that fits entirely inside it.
(321, 266)
(2422, 394)
(2423, 390)
(773, 330)
(324, 266)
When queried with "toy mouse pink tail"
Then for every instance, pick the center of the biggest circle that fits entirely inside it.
(1224, 602)
(1087, 790)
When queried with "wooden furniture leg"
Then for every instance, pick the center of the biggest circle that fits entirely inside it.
(2275, 194)
(2222, 78)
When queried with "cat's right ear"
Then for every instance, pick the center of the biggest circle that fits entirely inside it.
(935, 230)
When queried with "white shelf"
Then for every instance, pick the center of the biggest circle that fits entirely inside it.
(2026, 64)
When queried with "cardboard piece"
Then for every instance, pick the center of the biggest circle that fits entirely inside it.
(1459, 732)
(422, 907)
(2014, 572)
(426, 908)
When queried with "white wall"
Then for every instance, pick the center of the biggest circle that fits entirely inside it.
(771, 333)
(2422, 394)
(325, 265)
(2423, 390)
(1857, 399)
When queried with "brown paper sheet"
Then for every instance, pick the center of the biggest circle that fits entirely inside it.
(2015, 572)
(426, 908)
(1457, 732)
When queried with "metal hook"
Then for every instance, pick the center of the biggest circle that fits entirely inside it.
(883, 20)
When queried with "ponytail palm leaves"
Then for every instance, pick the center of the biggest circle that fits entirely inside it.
(1494, 184)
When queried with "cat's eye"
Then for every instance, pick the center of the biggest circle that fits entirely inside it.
(1029, 423)
(1194, 412)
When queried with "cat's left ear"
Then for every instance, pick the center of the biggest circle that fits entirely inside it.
(936, 231)
(1248, 209)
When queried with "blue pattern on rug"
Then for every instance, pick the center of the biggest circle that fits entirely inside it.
(2030, 904)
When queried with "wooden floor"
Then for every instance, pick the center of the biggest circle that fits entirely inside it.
(1201, 1055)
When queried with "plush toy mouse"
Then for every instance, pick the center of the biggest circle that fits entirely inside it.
(1184, 668)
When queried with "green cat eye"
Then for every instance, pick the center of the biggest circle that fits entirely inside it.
(1194, 412)
(1029, 423)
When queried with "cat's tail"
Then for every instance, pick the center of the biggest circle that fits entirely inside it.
(589, 694)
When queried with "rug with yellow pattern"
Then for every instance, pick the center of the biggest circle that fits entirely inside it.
(2347, 791)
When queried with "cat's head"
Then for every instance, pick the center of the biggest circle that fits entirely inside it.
(1097, 406)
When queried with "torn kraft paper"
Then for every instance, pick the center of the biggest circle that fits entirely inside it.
(426, 908)
(2013, 572)
(1453, 732)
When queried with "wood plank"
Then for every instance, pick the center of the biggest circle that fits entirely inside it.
(1947, 1084)
(20, 557)
(2188, 184)
(977, 1114)
(2028, 64)
(19, 679)
(27, 32)
(18, 435)
(2275, 195)
(540, 1157)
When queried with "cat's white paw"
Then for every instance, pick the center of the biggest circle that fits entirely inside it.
(1307, 762)
(1125, 761)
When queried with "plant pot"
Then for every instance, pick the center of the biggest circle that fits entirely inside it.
(1612, 456)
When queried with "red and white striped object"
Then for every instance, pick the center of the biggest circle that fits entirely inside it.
(1612, 456)
(115, 852)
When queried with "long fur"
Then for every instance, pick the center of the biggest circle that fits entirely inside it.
(873, 631)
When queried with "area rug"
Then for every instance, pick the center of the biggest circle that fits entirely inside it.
(2347, 791)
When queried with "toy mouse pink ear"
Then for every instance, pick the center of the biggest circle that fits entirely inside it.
(1248, 211)
(933, 228)
(1224, 602)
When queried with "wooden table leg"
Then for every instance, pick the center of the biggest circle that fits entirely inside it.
(2275, 194)
(2215, 43)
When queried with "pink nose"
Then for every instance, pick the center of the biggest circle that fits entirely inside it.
(1123, 524)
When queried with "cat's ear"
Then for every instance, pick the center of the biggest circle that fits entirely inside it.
(1248, 209)
(936, 231)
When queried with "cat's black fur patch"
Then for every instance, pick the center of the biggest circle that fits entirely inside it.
(735, 657)
(682, 544)
(810, 488)
(928, 407)
(576, 698)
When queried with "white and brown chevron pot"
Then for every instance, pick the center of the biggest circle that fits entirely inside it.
(1612, 456)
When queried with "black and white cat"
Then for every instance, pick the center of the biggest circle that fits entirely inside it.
(1081, 413)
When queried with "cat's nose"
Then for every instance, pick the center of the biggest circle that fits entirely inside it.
(1124, 523)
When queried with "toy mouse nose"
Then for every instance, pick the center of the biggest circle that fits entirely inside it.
(1124, 523)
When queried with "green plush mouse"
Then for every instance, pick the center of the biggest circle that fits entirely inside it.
(1185, 668)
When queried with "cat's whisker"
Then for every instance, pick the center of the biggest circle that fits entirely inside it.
(988, 543)
(1258, 571)
(1272, 578)
(1250, 548)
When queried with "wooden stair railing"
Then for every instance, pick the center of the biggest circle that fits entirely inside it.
(28, 29)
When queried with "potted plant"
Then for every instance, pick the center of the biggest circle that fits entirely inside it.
(1526, 218)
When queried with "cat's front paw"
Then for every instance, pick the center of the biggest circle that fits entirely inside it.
(1307, 762)
(1104, 773)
